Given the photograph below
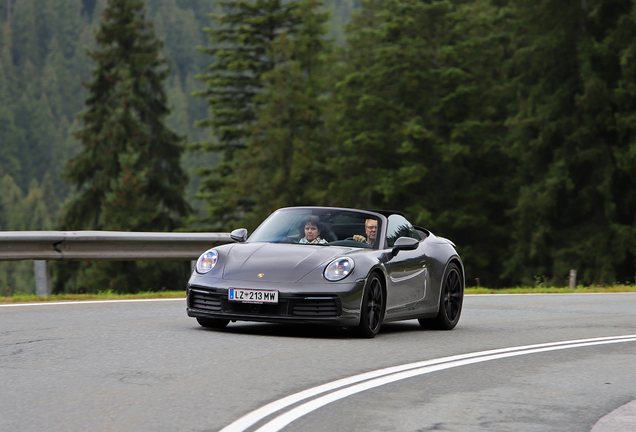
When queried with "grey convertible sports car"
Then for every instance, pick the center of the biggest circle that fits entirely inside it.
(336, 266)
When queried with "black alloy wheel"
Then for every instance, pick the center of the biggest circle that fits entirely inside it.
(213, 322)
(451, 300)
(372, 310)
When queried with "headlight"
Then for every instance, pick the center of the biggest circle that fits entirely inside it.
(339, 269)
(207, 261)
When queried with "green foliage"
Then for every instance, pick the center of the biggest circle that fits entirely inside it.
(11, 140)
(262, 90)
(127, 176)
(283, 164)
(43, 65)
(44, 45)
(568, 137)
(507, 126)
(18, 211)
(418, 118)
(10, 205)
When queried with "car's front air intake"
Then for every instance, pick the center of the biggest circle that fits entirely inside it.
(204, 300)
(316, 307)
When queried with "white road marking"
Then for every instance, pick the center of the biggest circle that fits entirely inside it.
(381, 377)
(82, 302)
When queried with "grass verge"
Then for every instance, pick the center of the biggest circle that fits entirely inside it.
(109, 295)
(553, 290)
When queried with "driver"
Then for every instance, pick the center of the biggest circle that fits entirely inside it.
(371, 229)
(312, 228)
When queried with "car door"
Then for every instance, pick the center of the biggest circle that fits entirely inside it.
(407, 271)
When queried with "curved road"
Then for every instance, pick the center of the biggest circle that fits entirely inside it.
(146, 366)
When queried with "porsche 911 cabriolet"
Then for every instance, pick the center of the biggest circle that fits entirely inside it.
(334, 266)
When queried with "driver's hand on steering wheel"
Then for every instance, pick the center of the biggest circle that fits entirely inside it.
(359, 238)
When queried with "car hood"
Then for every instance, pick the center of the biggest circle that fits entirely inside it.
(275, 262)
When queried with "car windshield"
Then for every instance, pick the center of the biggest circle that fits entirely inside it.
(321, 227)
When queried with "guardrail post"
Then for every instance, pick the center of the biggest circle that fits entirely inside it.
(42, 278)
(572, 279)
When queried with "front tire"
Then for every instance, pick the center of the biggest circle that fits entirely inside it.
(213, 322)
(451, 301)
(372, 308)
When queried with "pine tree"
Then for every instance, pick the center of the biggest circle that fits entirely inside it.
(50, 81)
(572, 146)
(283, 162)
(6, 64)
(50, 199)
(25, 44)
(11, 140)
(620, 46)
(45, 19)
(180, 27)
(18, 212)
(241, 43)
(68, 26)
(30, 154)
(417, 121)
(35, 211)
(127, 175)
(41, 137)
(128, 153)
(11, 216)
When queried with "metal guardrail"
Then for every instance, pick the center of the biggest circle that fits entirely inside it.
(106, 245)
(43, 246)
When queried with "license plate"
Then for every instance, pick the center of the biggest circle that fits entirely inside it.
(253, 296)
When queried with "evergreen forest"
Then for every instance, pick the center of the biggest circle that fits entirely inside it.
(508, 126)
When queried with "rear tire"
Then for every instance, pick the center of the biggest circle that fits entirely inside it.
(213, 322)
(372, 308)
(450, 303)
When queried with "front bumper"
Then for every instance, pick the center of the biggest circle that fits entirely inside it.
(330, 304)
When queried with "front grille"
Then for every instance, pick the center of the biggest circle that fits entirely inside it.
(316, 307)
(204, 300)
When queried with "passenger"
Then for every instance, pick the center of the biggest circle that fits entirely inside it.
(371, 228)
(312, 229)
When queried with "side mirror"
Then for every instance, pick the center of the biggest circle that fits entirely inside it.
(239, 235)
(404, 243)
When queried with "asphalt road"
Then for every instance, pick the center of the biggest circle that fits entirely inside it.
(146, 366)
